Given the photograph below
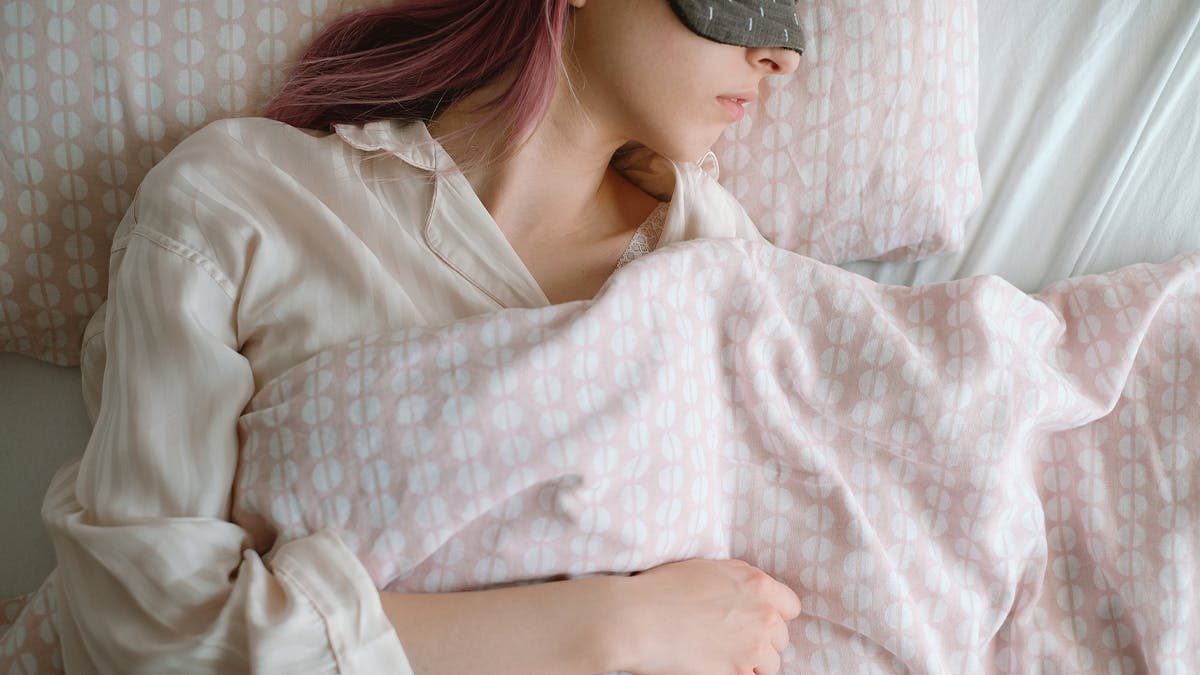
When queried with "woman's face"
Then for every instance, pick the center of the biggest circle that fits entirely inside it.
(644, 76)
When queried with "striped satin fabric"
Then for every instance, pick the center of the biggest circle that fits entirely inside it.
(236, 263)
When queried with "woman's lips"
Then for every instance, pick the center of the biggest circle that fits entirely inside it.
(735, 103)
(734, 106)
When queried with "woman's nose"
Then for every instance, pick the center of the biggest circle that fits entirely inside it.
(776, 60)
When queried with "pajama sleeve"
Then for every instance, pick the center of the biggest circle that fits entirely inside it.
(154, 577)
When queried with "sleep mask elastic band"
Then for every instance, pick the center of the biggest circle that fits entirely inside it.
(745, 23)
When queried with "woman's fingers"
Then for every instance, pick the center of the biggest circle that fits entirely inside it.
(779, 636)
(787, 602)
(781, 597)
(710, 616)
(768, 664)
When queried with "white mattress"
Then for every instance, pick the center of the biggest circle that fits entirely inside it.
(1090, 151)
(42, 425)
(1089, 142)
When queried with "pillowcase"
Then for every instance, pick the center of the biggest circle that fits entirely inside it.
(868, 151)
(94, 94)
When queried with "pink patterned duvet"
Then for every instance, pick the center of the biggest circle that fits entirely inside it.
(956, 478)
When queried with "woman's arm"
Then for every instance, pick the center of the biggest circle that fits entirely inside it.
(557, 628)
(153, 577)
(695, 617)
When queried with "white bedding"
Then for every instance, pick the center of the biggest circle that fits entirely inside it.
(1088, 145)
(1089, 142)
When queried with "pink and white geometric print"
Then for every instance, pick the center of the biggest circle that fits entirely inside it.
(957, 478)
(95, 93)
(954, 478)
(867, 151)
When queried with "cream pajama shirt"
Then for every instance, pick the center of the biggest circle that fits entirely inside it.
(248, 249)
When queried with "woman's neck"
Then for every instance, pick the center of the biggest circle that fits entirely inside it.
(566, 212)
(558, 177)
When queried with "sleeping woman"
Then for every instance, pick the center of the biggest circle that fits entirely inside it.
(427, 161)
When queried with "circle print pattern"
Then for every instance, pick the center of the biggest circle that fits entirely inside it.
(868, 151)
(95, 93)
(1014, 496)
(1001, 483)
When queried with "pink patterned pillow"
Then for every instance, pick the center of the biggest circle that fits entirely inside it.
(95, 92)
(870, 151)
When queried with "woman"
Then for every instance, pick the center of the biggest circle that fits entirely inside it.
(255, 245)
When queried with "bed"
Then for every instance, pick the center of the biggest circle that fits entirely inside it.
(1086, 143)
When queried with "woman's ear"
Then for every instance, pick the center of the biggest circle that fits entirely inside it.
(577, 3)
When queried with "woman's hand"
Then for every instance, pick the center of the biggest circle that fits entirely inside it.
(695, 617)
(706, 616)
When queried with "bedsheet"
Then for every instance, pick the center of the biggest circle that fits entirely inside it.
(955, 478)
(1088, 140)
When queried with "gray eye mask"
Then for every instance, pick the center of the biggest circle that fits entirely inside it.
(745, 23)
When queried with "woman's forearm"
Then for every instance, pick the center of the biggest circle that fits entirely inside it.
(702, 617)
(560, 627)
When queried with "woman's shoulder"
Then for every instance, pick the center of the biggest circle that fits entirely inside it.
(247, 165)
(233, 186)
(221, 150)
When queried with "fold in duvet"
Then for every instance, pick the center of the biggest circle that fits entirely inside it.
(959, 477)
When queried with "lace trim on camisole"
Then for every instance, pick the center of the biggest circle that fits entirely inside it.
(647, 235)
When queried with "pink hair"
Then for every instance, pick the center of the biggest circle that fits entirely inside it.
(412, 59)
